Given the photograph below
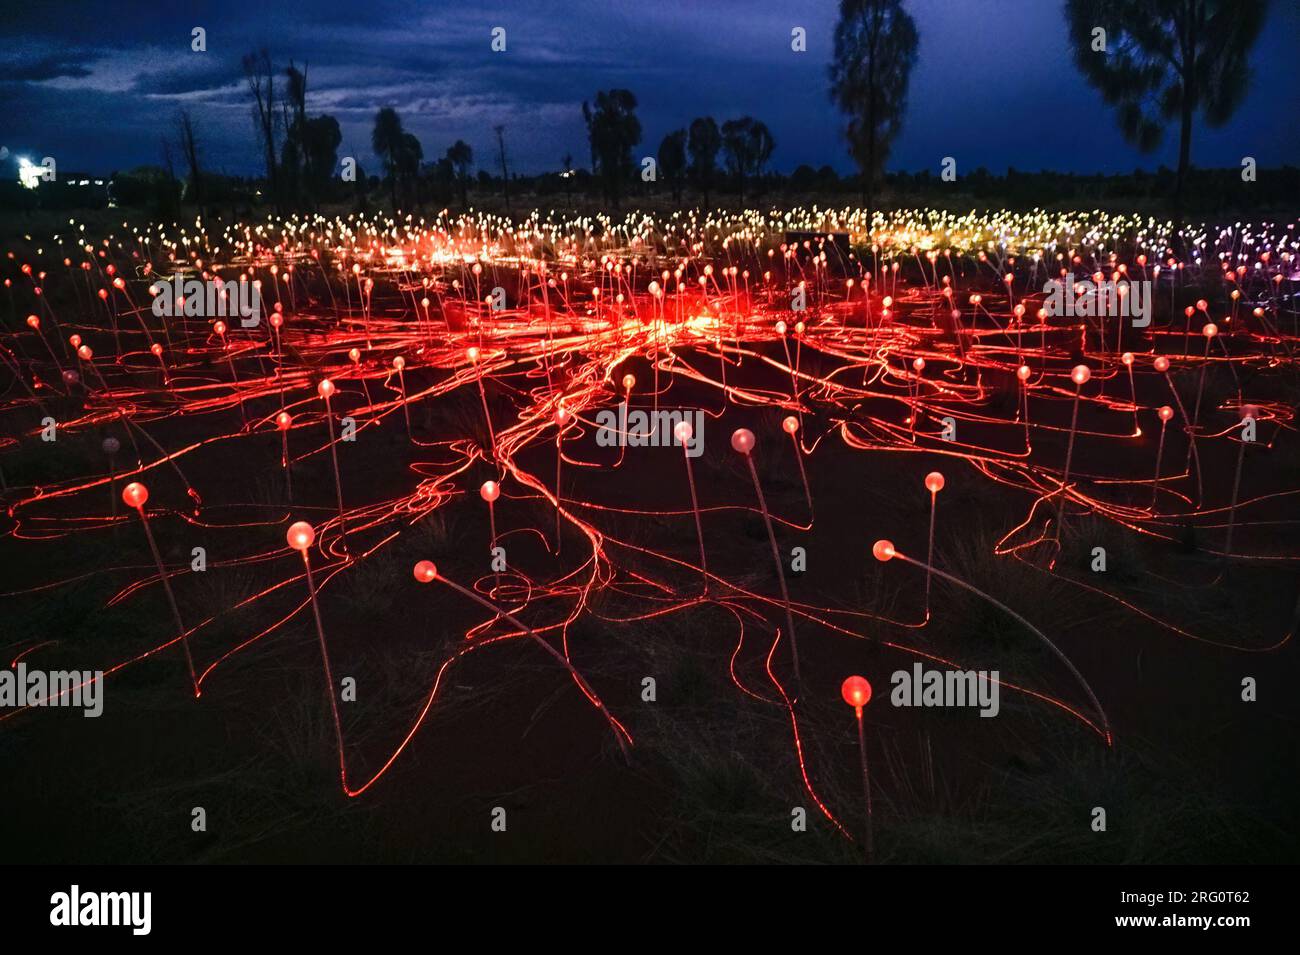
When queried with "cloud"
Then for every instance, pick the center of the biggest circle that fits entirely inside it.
(40, 68)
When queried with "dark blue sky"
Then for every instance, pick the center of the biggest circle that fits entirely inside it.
(96, 85)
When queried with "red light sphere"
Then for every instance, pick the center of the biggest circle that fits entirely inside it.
(856, 692)
(425, 571)
(325, 388)
(742, 439)
(934, 482)
(1023, 372)
(399, 362)
(883, 550)
(629, 382)
(1165, 413)
(135, 494)
(283, 420)
(1210, 330)
(1162, 364)
(490, 491)
(1080, 374)
(683, 431)
(300, 536)
(790, 425)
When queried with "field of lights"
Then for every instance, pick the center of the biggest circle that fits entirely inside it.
(887, 446)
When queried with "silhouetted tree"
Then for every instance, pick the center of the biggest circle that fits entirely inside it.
(1164, 59)
(386, 141)
(501, 153)
(875, 50)
(294, 109)
(672, 160)
(409, 156)
(461, 158)
(587, 117)
(748, 145)
(321, 137)
(444, 178)
(705, 141)
(261, 83)
(190, 147)
(613, 129)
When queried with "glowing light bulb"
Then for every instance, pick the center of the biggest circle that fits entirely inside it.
(425, 571)
(629, 382)
(399, 362)
(490, 491)
(934, 482)
(856, 692)
(742, 439)
(283, 420)
(1080, 374)
(1161, 364)
(883, 550)
(325, 388)
(790, 424)
(683, 431)
(135, 494)
(300, 535)
(1165, 413)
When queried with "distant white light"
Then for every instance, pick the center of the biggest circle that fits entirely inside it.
(29, 175)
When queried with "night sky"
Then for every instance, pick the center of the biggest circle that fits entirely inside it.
(98, 85)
